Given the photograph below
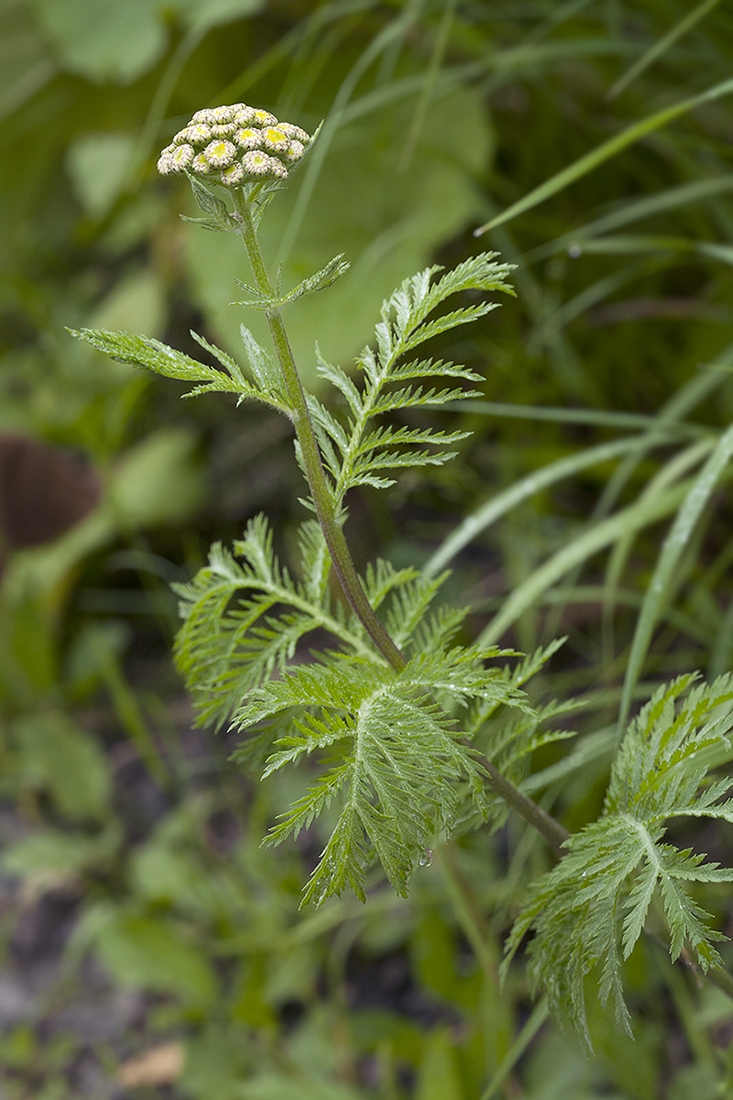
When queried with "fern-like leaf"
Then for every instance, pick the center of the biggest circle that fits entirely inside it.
(243, 616)
(358, 452)
(587, 914)
(144, 351)
(328, 275)
(404, 769)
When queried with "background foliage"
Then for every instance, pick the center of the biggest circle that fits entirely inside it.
(139, 915)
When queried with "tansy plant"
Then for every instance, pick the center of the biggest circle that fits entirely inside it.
(417, 736)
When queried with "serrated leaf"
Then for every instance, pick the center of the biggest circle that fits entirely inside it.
(260, 362)
(404, 770)
(231, 638)
(333, 270)
(403, 327)
(205, 223)
(599, 896)
(151, 354)
(326, 277)
(210, 203)
(144, 351)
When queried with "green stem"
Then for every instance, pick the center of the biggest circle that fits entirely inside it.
(553, 832)
(332, 530)
(319, 487)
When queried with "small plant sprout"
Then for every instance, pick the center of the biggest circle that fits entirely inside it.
(417, 736)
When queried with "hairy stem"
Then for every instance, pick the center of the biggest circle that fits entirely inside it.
(319, 487)
(333, 533)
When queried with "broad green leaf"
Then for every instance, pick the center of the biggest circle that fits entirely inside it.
(98, 165)
(58, 758)
(203, 14)
(103, 39)
(142, 952)
(55, 857)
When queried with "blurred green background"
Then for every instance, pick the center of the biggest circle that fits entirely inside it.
(151, 948)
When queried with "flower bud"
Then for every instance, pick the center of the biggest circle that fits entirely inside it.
(258, 163)
(234, 145)
(220, 154)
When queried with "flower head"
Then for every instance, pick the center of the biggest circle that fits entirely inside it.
(294, 150)
(249, 138)
(181, 156)
(200, 165)
(264, 118)
(197, 133)
(234, 145)
(234, 174)
(245, 115)
(260, 164)
(220, 154)
(274, 138)
(207, 116)
(294, 132)
(223, 114)
(165, 164)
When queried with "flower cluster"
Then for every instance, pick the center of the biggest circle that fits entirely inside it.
(234, 145)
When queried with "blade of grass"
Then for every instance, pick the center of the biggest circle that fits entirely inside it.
(630, 244)
(537, 1018)
(636, 210)
(569, 595)
(131, 716)
(697, 389)
(667, 476)
(633, 518)
(680, 405)
(464, 906)
(661, 46)
(604, 152)
(721, 650)
(575, 382)
(588, 298)
(599, 417)
(493, 509)
(426, 93)
(675, 543)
